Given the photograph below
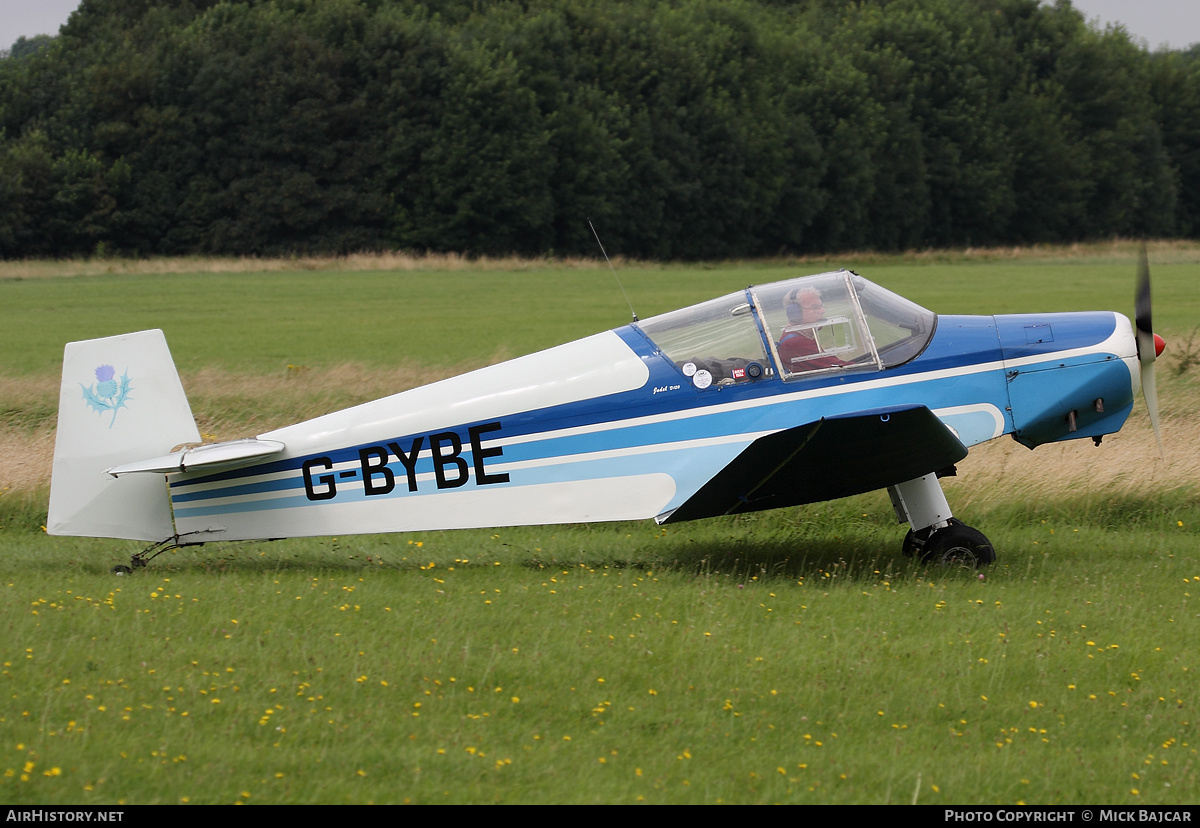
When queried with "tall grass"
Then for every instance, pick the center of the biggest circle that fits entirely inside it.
(788, 656)
(262, 322)
(709, 663)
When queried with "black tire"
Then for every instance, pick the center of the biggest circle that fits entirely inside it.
(121, 569)
(958, 545)
(914, 542)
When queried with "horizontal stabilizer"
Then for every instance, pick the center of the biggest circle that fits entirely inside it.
(212, 457)
(832, 457)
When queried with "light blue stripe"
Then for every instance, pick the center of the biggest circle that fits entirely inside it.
(701, 425)
(690, 468)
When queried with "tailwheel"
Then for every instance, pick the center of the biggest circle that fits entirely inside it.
(140, 559)
(958, 544)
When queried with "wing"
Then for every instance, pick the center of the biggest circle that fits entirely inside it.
(832, 457)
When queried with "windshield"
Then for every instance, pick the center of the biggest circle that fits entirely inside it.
(840, 321)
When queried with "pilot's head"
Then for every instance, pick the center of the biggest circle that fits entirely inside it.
(804, 305)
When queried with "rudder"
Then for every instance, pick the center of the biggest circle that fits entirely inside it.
(121, 400)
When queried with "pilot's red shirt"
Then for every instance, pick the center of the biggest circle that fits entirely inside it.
(802, 343)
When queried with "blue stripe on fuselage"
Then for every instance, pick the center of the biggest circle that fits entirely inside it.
(766, 405)
(692, 424)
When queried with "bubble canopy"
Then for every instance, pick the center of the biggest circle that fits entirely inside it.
(826, 323)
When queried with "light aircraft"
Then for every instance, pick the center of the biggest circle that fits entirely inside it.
(781, 394)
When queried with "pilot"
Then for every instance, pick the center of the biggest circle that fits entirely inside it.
(804, 308)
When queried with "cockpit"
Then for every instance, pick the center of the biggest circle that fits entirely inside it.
(816, 325)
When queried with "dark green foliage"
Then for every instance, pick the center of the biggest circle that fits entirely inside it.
(26, 47)
(687, 129)
(1175, 91)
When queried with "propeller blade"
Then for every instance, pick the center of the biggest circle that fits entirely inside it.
(1150, 392)
(1146, 345)
(1141, 307)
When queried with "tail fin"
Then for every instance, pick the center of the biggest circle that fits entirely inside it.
(121, 401)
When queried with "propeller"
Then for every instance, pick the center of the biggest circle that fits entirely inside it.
(1149, 344)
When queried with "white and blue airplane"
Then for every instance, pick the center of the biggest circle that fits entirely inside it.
(778, 395)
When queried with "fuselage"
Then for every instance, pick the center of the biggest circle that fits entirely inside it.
(612, 427)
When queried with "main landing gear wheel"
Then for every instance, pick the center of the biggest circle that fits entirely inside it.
(959, 545)
(914, 542)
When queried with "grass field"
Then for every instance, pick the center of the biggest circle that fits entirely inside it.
(791, 656)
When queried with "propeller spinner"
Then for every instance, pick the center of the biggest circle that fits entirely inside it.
(1149, 344)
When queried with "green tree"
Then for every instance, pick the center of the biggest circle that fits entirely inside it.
(685, 129)
(26, 47)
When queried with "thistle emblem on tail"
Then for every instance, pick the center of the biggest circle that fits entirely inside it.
(107, 393)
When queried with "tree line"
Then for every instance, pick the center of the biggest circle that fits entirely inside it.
(684, 130)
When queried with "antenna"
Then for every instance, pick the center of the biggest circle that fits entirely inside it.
(614, 272)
